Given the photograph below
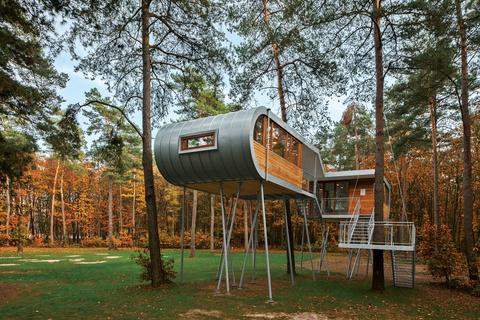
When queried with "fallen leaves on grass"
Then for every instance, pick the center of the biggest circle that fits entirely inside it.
(202, 314)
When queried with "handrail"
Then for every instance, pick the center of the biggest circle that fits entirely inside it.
(395, 234)
(371, 226)
(355, 216)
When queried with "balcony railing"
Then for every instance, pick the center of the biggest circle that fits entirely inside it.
(377, 235)
(339, 206)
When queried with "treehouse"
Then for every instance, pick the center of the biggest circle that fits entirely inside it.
(238, 147)
(252, 154)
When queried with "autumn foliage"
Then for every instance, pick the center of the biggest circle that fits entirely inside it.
(437, 248)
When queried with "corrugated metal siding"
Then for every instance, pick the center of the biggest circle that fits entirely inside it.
(233, 160)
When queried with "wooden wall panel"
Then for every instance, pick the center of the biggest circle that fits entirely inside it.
(367, 201)
(278, 166)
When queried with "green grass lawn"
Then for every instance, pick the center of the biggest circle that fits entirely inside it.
(36, 289)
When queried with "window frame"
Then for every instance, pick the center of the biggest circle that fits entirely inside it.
(186, 137)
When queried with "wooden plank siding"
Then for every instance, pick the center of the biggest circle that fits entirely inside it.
(367, 202)
(278, 166)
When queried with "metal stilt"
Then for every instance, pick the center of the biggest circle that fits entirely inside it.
(255, 246)
(323, 255)
(355, 264)
(265, 233)
(250, 243)
(308, 239)
(227, 245)
(182, 232)
(225, 252)
(350, 253)
(368, 262)
(287, 234)
(301, 247)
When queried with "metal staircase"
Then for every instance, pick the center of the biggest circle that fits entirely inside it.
(396, 237)
(403, 268)
(360, 230)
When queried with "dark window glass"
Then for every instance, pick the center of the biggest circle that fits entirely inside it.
(341, 193)
(198, 141)
(258, 132)
(329, 189)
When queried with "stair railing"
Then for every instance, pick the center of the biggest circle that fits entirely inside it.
(353, 221)
(371, 226)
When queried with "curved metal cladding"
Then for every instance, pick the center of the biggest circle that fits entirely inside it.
(233, 159)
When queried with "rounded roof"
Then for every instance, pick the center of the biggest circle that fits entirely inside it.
(232, 159)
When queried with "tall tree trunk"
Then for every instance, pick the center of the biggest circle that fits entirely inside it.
(433, 119)
(9, 206)
(212, 223)
(194, 222)
(245, 225)
(54, 190)
(64, 224)
(147, 161)
(120, 208)
(357, 155)
(378, 278)
(134, 202)
(19, 204)
(110, 212)
(467, 152)
(283, 109)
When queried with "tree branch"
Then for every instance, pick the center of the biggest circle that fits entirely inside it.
(121, 110)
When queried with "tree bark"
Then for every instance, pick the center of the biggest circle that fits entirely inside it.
(19, 204)
(9, 207)
(64, 224)
(467, 151)
(110, 212)
(52, 212)
(433, 119)
(378, 278)
(283, 110)
(355, 127)
(120, 207)
(133, 205)
(194, 222)
(212, 223)
(147, 159)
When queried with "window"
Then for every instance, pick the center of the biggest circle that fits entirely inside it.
(292, 149)
(259, 131)
(279, 140)
(198, 142)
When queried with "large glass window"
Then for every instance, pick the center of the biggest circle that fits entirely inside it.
(259, 131)
(282, 143)
(279, 140)
(292, 149)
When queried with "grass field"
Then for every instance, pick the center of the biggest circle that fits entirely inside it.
(64, 283)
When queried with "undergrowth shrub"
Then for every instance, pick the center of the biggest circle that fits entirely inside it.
(5, 240)
(126, 240)
(142, 258)
(93, 242)
(116, 243)
(38, 241)
(438, 250)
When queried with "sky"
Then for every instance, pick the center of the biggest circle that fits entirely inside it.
(78, 84)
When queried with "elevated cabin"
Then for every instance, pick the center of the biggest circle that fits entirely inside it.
(254, 146)
(340, 192)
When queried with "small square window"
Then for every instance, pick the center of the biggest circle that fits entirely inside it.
(198, 142)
